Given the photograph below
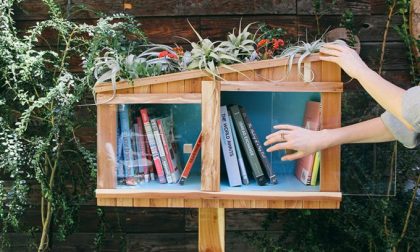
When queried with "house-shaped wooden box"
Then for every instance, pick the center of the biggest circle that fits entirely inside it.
(259, 82)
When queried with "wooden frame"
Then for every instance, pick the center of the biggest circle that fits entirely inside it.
(194, 87)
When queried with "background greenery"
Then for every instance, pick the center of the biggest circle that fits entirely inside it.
(39, 108)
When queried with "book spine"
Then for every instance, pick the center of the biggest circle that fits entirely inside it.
(260, 150)
(191, 159)
(152, 144)
(228, 148)
(173, 150)
(161, 151)
(241, 163)
(168, 155)
(138, 153)
(126, 142)
(315, 169)
(144, 153)
(120, 158)
(246, 142)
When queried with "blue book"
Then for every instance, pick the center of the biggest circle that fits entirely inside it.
(123, 111)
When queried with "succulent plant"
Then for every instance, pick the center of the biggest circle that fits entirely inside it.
(303, 50)
(242, 44)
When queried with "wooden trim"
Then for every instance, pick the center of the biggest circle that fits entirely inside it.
(231, 195)
(106, 86)
(106, 143)
(169, 98)
(211, 229)
(210, 150)
(330, 118)
(279, 86)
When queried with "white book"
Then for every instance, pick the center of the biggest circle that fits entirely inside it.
(242, 169)
(228, 148)
(161, 151)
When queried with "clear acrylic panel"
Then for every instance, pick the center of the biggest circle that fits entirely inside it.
(156, 131)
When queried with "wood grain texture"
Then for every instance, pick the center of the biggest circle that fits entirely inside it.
(275, 86)
(164, 79)
(219, 203)
(362, 7)
(106, 143)
(211, 229)
(330, 118)
(173, 98)
(210, 150)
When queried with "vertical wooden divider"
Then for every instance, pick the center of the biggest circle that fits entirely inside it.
(107, 139)
(330, 118)
(211, 221)
(210, 150)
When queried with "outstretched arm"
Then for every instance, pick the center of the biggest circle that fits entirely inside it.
(306, 141)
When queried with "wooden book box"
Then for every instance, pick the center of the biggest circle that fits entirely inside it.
(207, 191)
(195, 87)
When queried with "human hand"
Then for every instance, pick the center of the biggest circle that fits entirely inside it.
(345, 57)
(302, 140)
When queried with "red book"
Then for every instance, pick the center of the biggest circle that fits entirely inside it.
(191, 159)
(146, 155)
(152, 144)
(311, 120)
(166, 148)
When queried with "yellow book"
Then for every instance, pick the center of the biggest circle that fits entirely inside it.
(315, 168)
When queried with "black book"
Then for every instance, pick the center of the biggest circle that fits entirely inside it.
(261, 154)
(246, 142)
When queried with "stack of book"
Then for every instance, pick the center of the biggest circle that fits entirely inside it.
(240, 146)
(145, 146)
(307, 168)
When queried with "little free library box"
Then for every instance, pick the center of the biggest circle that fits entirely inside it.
(193, 99)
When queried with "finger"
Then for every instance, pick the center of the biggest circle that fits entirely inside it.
(275, 139)
(293, 156)
(277, 133)
(329, 58)
(329, 52)
(279, 146)
(333, 46)
(285, 127)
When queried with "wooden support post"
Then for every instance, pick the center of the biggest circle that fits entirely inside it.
(211, 229)
(107, 139)
(210, 150)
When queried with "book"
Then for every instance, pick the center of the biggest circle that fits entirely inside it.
(137, 154)
(241, 163)
(146, 155)
(161, 151)
(167, 127)
(259, 148)
(124, 118)
(186, 172)
(228, 149)
(247, 145)
(311, 120)
(169, 155)
(152, 144)
(120, 159)
(315, 168)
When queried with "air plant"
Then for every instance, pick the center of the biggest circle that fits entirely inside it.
(207, 55)
(242, 44)
(303, 50)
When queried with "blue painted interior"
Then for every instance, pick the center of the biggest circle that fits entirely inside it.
(265, 110)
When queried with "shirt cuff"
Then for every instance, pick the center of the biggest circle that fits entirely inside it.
(404, 135)
(411, 107)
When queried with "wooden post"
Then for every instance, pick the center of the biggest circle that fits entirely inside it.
(106, 141)
(211, 229)
(210, 150)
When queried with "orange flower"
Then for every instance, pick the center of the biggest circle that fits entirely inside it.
(277, 43)
(167, 54)
(262, 42)
(179, 50)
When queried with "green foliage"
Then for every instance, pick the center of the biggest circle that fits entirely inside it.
(38, 116)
